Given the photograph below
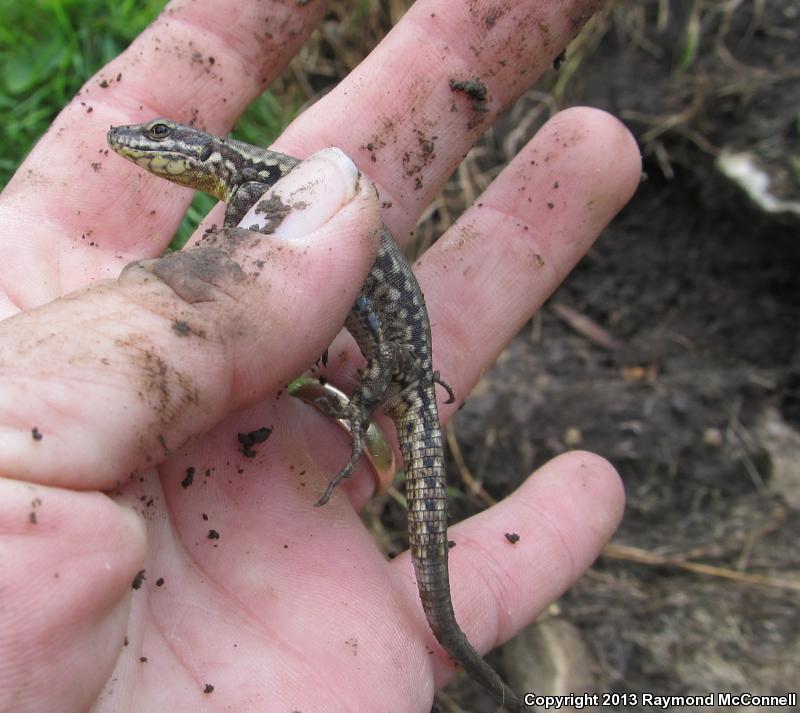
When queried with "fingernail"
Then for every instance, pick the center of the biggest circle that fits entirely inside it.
(307, 198)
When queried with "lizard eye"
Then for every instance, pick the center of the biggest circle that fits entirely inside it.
(158, 131)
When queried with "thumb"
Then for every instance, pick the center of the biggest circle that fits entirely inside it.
(113, 377)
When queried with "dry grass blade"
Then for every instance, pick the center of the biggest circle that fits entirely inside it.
(474, 486)
(584, 326)
(636, 554)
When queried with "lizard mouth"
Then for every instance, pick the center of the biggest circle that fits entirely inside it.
(120, 139)
(142, 152)
(116, 137)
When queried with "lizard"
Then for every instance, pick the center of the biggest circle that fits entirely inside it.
(390, 324)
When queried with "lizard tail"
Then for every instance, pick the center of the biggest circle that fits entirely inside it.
(420, 438)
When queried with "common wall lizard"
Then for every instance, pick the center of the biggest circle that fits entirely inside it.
(389, 322)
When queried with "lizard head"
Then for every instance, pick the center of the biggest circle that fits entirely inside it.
(182, 154)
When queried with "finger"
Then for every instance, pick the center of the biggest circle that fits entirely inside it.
(199, 61)
(563, 514)
(67, 561)
(496, 266)
(410, 112)
(116, 376)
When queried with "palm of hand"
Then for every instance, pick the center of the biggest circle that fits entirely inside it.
(290, 599)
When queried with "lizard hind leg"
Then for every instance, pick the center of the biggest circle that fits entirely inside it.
(357, 431)
(371, 390)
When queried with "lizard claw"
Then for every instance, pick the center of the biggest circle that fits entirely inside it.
(437, 379)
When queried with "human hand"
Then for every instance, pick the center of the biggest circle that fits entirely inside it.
(292, 607)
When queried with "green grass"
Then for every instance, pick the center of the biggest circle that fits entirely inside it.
(49, 48)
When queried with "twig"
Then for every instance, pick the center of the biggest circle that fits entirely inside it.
(473, 485)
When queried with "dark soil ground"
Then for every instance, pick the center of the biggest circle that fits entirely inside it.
(673, 351)
(707, 318)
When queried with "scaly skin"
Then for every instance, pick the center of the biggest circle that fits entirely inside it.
(389, 322)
